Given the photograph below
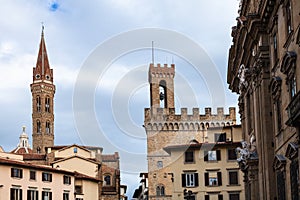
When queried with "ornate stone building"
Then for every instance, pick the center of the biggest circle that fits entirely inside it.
(263, 68)
(164, 128)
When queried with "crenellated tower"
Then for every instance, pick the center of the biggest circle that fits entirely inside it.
(43, 91)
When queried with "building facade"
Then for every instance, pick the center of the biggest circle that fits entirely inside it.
(263, 68)
(164, 128)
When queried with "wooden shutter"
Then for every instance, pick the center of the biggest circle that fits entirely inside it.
(220, 197)
(12, 172)
(12, 194)
(50, 195)
(206, 197)
(219, 178)
(183, 181)
(205, 155)
(21, 194)
(50, 178)
(206, 179)
(196, 179)
(21, 173)
(218, 152)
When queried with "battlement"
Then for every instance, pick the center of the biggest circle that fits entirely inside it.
(161, 71)
(167, 115)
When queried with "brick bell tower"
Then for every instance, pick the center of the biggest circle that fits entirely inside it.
(43, 91)
(161, 79)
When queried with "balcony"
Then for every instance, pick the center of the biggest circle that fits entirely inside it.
(293, 110)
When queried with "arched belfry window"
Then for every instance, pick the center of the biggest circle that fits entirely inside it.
(47, 104)
(48, 127)
(38, 126)
(160, 190)
(38, 104)
(163, 94)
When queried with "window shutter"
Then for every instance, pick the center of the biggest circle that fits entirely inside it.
(196, 179)
(50, 194)
(37, 195)
(50, 176)
(205, 155)
(206, 197)
(43, 195)
(183, 181)
(219, 178)
(206, 179)
(28, 194)
(21, 193)
(218, 154)
(21, 173)
(12, 197)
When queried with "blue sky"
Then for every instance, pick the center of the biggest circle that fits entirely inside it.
(74, 32)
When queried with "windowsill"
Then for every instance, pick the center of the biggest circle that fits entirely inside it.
(32, 180)
(189, 162)
(213, 185)
(19, 178)
(233, 160)
(212, 161)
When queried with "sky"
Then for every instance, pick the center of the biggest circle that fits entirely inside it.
(100, 52)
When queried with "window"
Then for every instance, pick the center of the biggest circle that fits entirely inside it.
(189, 180)
(294, 177)
(32, 195)
(293, 86)
(48, 127)
(280, 185)
(66, 196)
(75, 150)
(206, 197)
(212, 155)
(78, 189)
(233, 178)
(160, 164)
(46, 177)
(220, 137)
(107, 179)
(38, 126)
(32, 175)
(278, 114)
(47, 104)
(220, 197)
(289, 17)
(38, 104)
(15, 194)
(213, 178)
(160, 190)
(67, 180)
(16, 173)
(275, 47)
(189, 157)
(46, 195)
(231, 154)
(234, 196)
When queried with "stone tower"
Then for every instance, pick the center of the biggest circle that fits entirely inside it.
(164, 128)
(42, 90)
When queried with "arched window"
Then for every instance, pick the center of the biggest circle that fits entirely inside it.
(47, 104)
(160, 190)
(38, 126)
(163, 94)
(38, 104)
(48, 127)
(38, 150)
(107, 179)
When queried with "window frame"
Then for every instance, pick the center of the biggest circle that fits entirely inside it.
(190, 179)
(67, 180)
(46, 194)
(16, 172)
(32, 175)
(189, 157)
(207, 177)
(32, 194)
(235, 182)
(46, 177)
(16, 194)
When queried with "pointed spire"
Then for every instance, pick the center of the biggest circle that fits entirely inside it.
(42, 70)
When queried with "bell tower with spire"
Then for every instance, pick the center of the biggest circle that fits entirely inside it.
(43, 91)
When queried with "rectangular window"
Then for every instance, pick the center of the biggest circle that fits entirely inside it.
(213, 178)
(78, 189)
(220, 137)
(293, 86)
(275, 47)
(66, 196)
(234, 196)
(231, 154)
(189, 157)
(190, 180)
(233, 178)
(278, 112)
(220, 197)
(289, 17)
(46, 195)
(46, 177)
(32, 195)
(16, 173)
(206, 197)
(15, 194)
(294, 177)
(67, 180)
(32, 175)
(212, 155)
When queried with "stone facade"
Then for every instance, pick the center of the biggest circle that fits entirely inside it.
(263, 68)
(164, 127)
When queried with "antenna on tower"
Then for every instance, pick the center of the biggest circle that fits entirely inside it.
(152, 52)
(172, 59)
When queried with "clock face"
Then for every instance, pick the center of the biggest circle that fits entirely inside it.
(37, 76)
